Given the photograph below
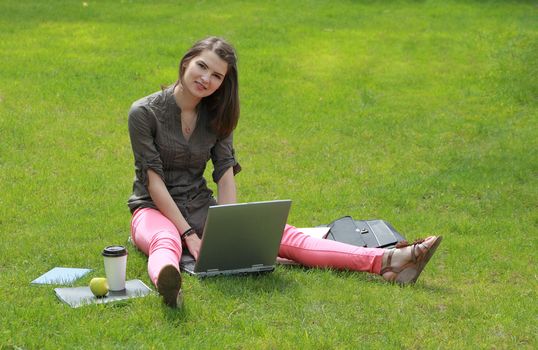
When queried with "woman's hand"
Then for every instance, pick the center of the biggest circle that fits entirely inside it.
(193, 244)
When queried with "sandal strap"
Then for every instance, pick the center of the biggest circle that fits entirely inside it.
(404, 243)
(415, 244)
(389, 268)
(394, 269)
(422, 251)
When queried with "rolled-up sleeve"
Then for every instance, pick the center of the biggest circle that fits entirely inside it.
(223, 157)
(142, 127)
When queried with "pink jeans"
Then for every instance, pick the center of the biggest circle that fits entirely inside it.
(159, 239)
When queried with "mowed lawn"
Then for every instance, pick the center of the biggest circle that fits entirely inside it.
(421, 113)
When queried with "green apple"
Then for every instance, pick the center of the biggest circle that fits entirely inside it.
(99, 286)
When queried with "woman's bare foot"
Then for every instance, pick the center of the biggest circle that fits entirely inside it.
(403, 265)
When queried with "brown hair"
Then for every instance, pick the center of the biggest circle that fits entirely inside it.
(223, 104)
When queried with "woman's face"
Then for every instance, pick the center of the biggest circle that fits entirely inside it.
(204, 74)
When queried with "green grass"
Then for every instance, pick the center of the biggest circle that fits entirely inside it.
(422, 113)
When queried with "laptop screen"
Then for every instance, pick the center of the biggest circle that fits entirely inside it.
(242, 236)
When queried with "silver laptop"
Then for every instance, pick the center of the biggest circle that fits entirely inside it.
(239, 238)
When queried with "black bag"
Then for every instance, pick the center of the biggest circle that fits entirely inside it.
(364, 233)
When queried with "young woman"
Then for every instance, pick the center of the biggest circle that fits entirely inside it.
(174, 133)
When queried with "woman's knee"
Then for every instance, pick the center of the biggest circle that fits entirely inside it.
(166, 239)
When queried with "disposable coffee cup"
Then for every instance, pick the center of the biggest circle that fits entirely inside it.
(115, 257)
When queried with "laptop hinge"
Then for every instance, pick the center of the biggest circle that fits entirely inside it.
(212, 270)
(255, 266)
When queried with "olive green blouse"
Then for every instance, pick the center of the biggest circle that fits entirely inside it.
(158, 144)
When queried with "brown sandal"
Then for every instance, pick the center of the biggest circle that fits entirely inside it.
(409, 272)
(169, 286)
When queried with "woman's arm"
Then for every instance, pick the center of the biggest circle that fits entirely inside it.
(164, 202)
(226, 190)
(166, 205)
